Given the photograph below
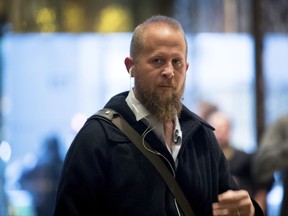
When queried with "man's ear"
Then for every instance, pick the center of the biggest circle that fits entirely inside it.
(128, 63)
(187, 66)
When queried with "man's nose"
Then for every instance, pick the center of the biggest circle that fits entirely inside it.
(168, 71)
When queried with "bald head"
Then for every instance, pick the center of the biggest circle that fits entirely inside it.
(139, 36)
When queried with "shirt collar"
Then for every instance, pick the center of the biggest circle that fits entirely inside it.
(136, 106)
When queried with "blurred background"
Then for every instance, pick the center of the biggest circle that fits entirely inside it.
(61, 60)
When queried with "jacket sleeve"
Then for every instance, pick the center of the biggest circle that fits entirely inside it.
(226, 181)
(82, 184)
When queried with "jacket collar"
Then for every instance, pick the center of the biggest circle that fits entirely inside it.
(119, 104)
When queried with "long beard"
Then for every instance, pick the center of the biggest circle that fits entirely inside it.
(164, 106)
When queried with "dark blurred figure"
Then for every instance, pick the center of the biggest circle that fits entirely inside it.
(3, 195)
(273, 156)
(239, 161)
(41, 181)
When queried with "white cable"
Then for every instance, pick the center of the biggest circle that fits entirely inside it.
(177, 208)
(153, 151)
(148, 130)
(130, 82)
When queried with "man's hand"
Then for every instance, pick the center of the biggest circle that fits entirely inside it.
(236, 203)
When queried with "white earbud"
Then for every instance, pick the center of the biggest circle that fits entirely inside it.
(130, 71)
(131, 75)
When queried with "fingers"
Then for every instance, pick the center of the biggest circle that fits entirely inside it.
(233, 197)
(221, 210)
(234, 203)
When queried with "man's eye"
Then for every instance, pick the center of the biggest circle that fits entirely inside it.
(157, 61)
(177, 62)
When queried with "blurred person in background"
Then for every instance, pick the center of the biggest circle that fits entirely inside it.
(41, 181)
(240, 162)
(3, 196)
(205, 108)
(272, 156)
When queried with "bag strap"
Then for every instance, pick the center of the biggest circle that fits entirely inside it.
(122, 124)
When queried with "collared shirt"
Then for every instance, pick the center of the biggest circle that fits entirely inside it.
(141, 113)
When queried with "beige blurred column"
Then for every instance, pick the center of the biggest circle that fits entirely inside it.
(230, 15)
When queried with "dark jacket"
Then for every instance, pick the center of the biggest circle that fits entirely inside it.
(105, 174)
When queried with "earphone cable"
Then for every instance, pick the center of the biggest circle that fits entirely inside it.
(148, 130)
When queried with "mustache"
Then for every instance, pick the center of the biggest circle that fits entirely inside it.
(168, 83)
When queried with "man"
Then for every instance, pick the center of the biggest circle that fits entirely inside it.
(41, 180)
(104, 173)
(3, 196)
(272, 156)
(239, 161)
